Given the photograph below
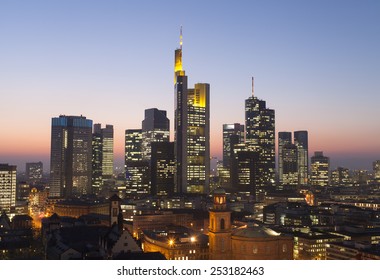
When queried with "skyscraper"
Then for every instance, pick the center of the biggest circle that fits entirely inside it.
(136, 169)
(7, 187)
(102, 156)
(284, 138)
(71, 156)
(376, 171)
(302, 143)
(290, 166)
(155, 128)
(320, 166)
(162, 167)
(340, 177)
(192, 131)
(34, 171)
(232, 134)
(260, 137)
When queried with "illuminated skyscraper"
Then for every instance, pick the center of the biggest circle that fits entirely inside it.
(260, 138)
(376, 171)
(102, 156)
(155, 128)
(136, 169)
(192, 132)
(34, 171)
(290, 167)
(320, 166)
(71, 156)
(232, 134)
(341, 177)
(284, 138)
(162, 168)
(7, 187)
(302, 143)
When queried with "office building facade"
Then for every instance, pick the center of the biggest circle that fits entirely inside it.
(7, 187)
(71, 156)
(155, 128)
(34, 171)
(137, 172)
(320, 166)
(162, 168)
(284, 138)
(260, 138)
(301, 140)
(232, 134)
(102, 156)
(192, 132)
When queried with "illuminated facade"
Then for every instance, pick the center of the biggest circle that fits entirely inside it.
(376, 171)
(7, 187)
(34, 171)
(232, 134)
(136, 169)
(102, 156)
(341, 177)
(155, 128)
(260, 137)
(176, 243)
(289, 165)
(320, 166)
(71, 156)
(284, 138)
(162, 168)
(301, 140)
(192, 132)
(244, 172)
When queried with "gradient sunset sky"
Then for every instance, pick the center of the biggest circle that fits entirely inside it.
(317, 63)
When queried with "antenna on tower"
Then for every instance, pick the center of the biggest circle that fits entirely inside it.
(180, 38)
(253, 86)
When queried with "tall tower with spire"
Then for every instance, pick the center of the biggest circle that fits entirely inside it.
(260, 137)
(192, 131)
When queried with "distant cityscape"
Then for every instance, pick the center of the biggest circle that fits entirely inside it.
(169, 203)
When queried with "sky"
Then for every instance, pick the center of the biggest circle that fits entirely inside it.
(316, 63)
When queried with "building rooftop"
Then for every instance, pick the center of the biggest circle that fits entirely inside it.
(255, 231)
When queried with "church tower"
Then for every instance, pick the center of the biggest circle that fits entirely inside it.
(220, 228)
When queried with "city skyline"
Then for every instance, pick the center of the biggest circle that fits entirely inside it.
(319, 77)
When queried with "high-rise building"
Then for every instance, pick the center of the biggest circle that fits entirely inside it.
(376, 171)
(155, 128)
(232, 134)
(71, 156)
(102, 156)
(34, 171)
(192, 132)
(136, 169)
(302, 143)
(320, 166)
(243, 173)
(162, 167)
(341, 177)
(7, 187)
(260, 138)
(290, 166)
(284, 138)
(133, 145)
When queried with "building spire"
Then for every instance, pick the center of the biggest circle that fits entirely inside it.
(180, 38)
(253, 86)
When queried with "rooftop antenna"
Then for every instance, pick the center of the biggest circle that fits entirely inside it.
(180, 38)
(253, 88)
